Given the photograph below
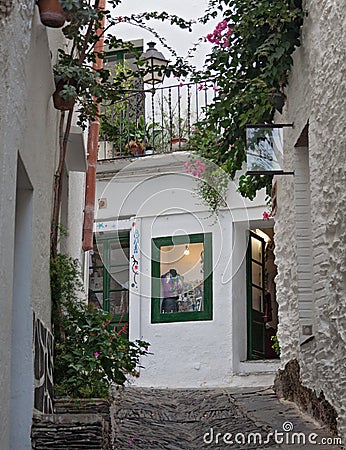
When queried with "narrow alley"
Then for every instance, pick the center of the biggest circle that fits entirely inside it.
(192, 419)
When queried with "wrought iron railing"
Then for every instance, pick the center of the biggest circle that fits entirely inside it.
(147, 122)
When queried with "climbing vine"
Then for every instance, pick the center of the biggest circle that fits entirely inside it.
(250, 62)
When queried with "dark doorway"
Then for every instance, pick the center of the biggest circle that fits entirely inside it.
(262, 317)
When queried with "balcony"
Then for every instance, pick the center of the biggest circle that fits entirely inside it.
(146, 123)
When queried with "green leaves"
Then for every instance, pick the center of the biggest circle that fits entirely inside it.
(90, 355)
(247, 73)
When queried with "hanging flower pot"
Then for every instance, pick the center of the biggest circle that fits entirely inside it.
(60, 101)
(51, 13)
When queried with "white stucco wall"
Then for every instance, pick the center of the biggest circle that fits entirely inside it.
(28, 138)
(316, 94)
(161, 196)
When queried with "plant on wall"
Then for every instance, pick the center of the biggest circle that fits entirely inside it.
(89, 355)
(276, 345)
(249, 63)
(212, 182)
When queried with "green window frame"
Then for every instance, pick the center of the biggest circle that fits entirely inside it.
(103, 245)
(157, 316)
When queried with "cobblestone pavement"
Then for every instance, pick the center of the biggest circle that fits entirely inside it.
(190, 419)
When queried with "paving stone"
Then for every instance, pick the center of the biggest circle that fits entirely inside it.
(189, 419)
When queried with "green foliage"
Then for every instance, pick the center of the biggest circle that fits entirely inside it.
(249, 68)
(212, 182)
(276, 345)
(89, 355)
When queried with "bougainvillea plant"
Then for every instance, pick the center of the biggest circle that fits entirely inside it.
(250, 62)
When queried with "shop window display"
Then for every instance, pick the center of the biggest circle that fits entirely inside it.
(183, 266)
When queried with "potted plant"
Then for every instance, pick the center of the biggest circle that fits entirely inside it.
(51, 13)
(153, 132)
(65, 94)
(135, 147)
(178, 143)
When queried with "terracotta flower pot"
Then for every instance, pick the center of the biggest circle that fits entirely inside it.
(51, 13)
(178, 143)
(136, 148)
(59, 101)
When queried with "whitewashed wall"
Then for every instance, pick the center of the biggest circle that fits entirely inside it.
(316, 94)
(28, 140)
(162, 197)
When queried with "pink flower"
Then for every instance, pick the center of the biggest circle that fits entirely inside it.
(181, 84)
(210, 38)
(215, 88)
(266, 216)
(96, 354)
(225, 42)
(187, 164)
(200, 87)
(221, 25)
(200, 165)
(229, 31)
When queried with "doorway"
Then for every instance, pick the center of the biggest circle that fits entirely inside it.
(262, 308)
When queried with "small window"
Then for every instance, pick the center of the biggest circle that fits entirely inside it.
(109, 278)
(182, 278)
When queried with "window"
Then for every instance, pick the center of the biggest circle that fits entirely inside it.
(109, 278)
(182, 278)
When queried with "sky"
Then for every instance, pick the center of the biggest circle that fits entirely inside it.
(180, 40)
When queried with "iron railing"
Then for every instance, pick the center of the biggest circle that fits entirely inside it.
(151, 122)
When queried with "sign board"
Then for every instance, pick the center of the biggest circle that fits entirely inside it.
(264, 149)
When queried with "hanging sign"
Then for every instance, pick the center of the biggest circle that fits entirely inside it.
(264, 149)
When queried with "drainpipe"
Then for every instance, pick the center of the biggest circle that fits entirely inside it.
(92, 148)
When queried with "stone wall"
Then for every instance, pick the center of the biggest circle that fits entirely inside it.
(70, 431)
(5, 8)
(76, 424)
(315, 97)
(288, 385)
